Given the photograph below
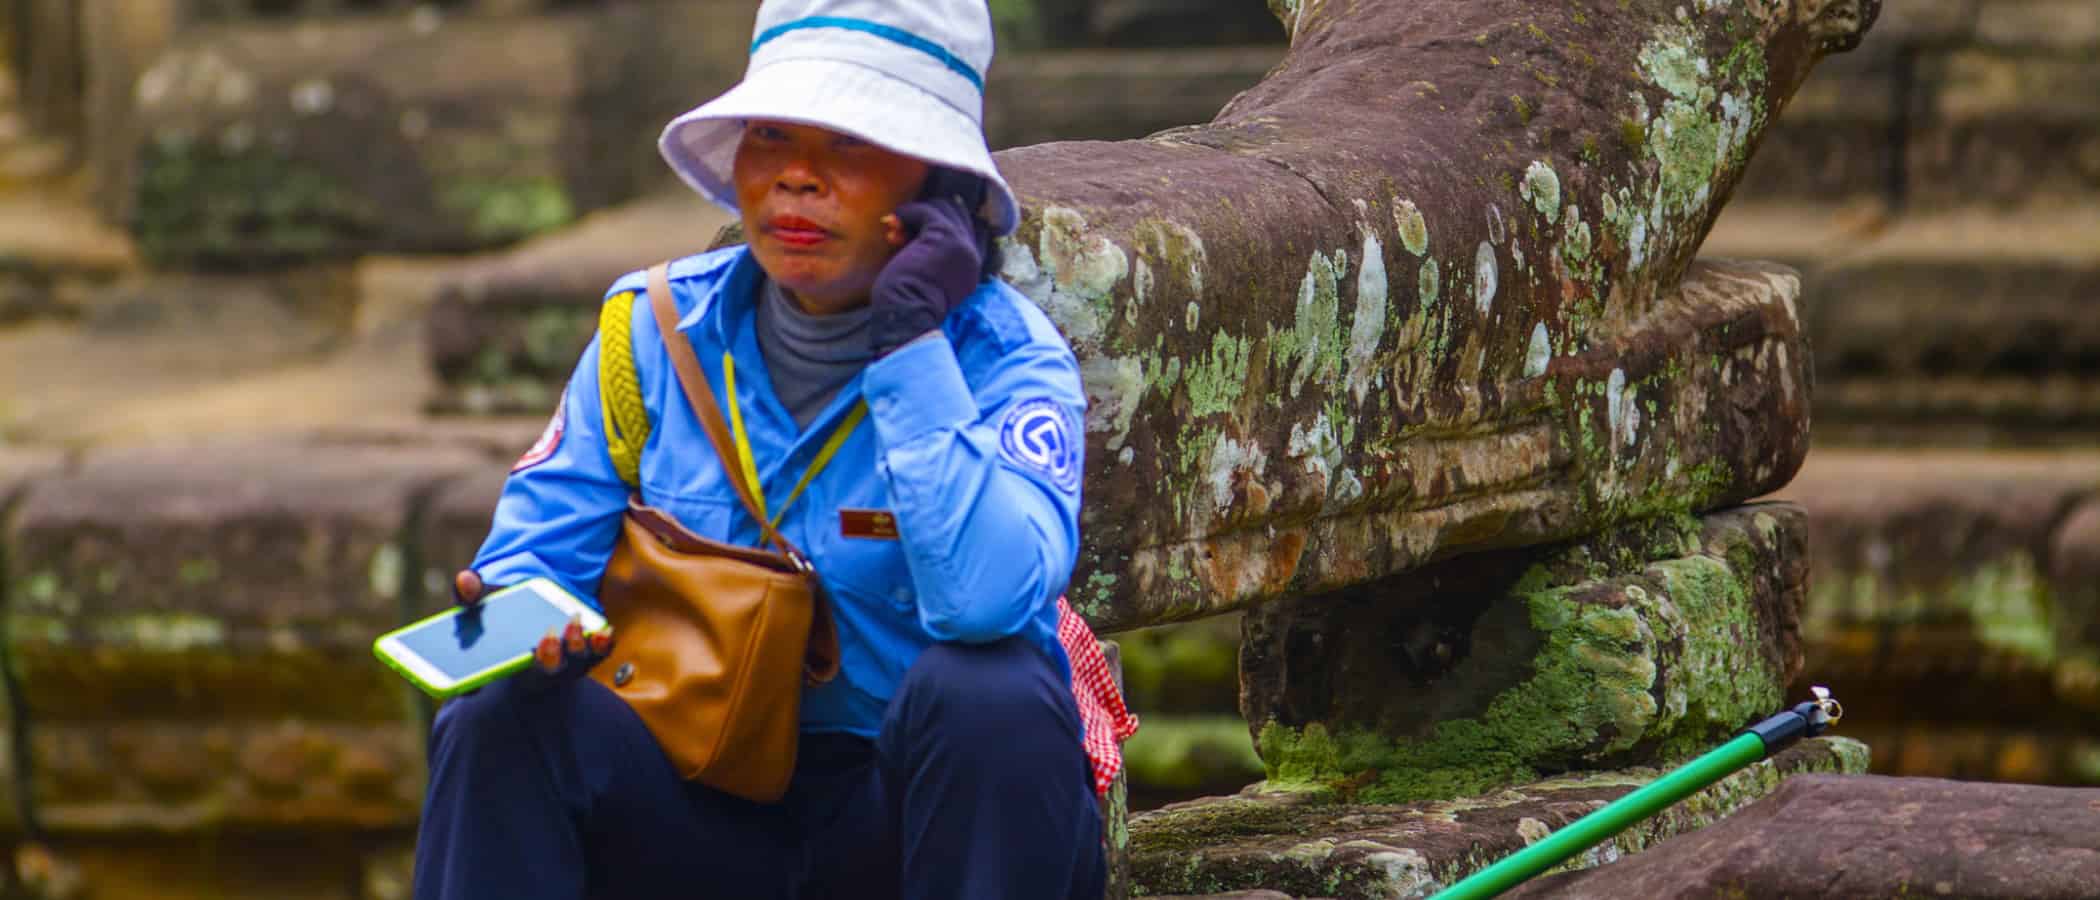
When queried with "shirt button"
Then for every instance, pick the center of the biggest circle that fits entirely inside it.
(903, 595)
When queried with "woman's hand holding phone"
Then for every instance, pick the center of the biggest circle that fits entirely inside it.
(561, 655)
(939, 261)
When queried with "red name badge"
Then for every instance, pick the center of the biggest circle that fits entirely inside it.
(874, 524)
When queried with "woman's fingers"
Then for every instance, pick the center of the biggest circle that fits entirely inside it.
(572, 638)
(548, 654)
(601, 643)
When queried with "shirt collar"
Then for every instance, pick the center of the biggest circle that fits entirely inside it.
(736, 293)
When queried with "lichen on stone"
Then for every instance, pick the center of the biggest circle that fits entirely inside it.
(1541, 188)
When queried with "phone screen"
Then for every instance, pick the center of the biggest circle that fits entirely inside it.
(510, 623)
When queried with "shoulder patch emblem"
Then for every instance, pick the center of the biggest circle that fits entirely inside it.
(550, 438)
(1037, 436)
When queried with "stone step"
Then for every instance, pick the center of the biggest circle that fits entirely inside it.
(1649, 642)
(1972, 321)
(1939, 125)
(1835, 837)
(1283, 842)
(1965, 576)
(507, 327)
(191, 626)
(29, 160)
(279, 140)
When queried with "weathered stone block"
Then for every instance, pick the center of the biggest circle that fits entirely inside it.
(2074, 574)
(506, 330)
(1865, 836)
(1955, 540)
(2005, 120)
(267, 142)
(1651, 642)
(19, 469)
(457, 522)
(236, 580)
(1282, 842)
(249, 865)
(1943, 575)
(1951, 328)
(2065, 26)
(183, 776)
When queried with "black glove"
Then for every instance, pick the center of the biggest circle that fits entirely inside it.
(939, 266)
(565, 656)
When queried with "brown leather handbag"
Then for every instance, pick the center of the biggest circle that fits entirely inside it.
(715, 641)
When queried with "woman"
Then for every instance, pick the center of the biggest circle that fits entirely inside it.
(945, 759)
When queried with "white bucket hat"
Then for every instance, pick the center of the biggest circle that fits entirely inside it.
(908, 76)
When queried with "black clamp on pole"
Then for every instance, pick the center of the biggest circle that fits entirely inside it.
(1806, 719)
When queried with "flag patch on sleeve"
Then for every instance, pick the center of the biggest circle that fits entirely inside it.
(1037, 436)
(550, 438)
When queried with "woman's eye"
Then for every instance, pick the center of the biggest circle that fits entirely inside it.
(844, 142)
(768, 133)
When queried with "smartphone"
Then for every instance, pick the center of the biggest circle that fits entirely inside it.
(459, 650)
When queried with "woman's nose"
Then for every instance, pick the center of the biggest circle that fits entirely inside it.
(799, 177)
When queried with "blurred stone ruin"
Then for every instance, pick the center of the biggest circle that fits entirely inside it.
(1444, 430)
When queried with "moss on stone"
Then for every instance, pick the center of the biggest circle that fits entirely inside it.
(1647, 643)
(505, 209)
(200, 202)
(1182, 752)
(1218, 379)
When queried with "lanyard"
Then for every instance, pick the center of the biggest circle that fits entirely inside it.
(750, 466)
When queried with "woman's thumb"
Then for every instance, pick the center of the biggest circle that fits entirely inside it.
(467, 587)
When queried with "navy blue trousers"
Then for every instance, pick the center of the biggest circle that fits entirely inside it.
(976, 788)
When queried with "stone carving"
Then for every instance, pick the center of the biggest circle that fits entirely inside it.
(1653, 641)
(1439, 291)
(1279, 842)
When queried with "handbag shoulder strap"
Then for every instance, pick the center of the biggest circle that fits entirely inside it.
(701, 396)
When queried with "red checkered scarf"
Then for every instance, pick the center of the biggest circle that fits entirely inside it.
(1108, 722)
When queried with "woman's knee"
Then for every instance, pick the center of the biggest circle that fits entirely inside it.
(1004, 669)
(996, 688)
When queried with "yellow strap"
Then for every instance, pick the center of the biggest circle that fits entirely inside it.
(743, 445)
(619, 391)
(824, 455)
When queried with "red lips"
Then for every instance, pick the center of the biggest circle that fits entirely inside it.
(796, 231)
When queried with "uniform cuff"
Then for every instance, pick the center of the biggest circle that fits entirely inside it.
(504, 571)
(918, 388)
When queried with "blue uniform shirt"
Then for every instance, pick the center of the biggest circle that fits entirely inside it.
(974, 440)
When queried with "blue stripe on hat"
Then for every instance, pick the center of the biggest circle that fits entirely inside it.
(886, 32)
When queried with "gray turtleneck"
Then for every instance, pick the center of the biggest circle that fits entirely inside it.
(810, 357)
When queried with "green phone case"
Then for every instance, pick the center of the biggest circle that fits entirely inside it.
(503, 670)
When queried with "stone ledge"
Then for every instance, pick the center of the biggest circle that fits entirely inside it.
(1845, 837)
(1282, 842)
(1949, 327)
(167, 776)
(1954, 575)
(244, 579)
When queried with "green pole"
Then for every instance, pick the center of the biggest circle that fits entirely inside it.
(1762, 739)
